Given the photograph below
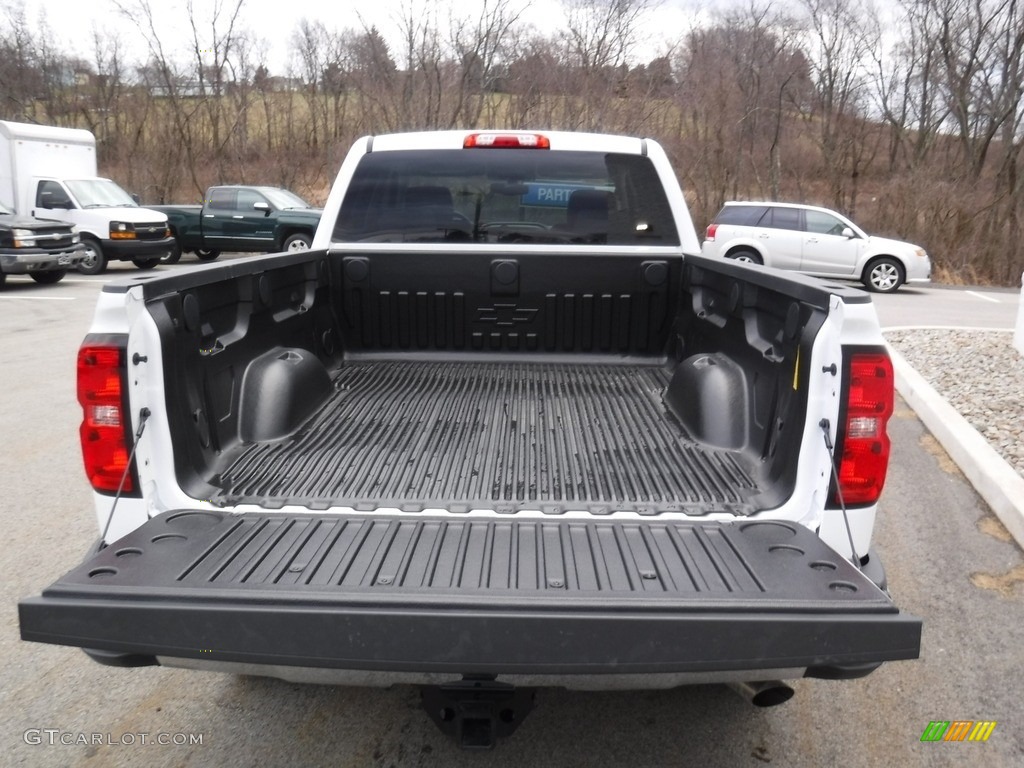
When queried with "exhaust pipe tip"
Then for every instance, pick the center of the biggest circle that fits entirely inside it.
(763, 693)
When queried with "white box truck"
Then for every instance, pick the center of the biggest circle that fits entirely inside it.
(51, 172)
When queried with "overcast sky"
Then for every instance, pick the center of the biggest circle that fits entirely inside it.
(275, 21)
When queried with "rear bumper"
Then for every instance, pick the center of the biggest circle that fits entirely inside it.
(478, 642)
(426, 595)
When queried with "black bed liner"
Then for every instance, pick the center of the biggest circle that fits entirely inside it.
(501, 436)
(473, 596)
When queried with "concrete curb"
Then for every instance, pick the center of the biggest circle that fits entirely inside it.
(991, 475)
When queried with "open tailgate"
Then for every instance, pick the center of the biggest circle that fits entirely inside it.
(473, 595)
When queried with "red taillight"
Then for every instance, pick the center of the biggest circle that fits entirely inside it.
(863, 444)
(506, 141)
(710, 233)
(104, 427)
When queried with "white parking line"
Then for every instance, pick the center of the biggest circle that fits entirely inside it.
(982, 296)
(38, 298)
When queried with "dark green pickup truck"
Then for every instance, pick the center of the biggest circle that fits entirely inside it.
(238, 218)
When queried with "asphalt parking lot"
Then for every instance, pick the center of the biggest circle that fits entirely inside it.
(948, 560)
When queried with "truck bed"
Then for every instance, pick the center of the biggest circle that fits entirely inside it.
(505, 436)
(605, 384)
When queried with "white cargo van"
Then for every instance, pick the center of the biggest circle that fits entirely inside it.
(51, 172)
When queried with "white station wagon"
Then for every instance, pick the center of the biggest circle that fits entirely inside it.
(815, 241)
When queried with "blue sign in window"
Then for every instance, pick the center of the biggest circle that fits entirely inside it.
(551, 195)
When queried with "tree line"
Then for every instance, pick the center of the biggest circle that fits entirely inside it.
(908, 117)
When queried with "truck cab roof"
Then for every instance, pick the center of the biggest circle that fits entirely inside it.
(557, 140)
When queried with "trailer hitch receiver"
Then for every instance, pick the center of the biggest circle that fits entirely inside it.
(476, 712)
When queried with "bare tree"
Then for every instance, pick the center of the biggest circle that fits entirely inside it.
(194, 92)
(904, 81)
(740, 81)
(374, 79)
(211, 49)
(479, 44)
(838, 50)
(59, 96)
(311, 46)
(103, 111)
(535, 81)
(710, 108)
(603, 33)
(598, 41)
(20, 79)
(771, 76)
(979, 43)
(243, 140)
(162, 76)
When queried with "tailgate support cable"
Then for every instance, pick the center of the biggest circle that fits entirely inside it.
(143, 416)
(825, 426)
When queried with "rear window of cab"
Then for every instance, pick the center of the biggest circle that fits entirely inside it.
(506, 196)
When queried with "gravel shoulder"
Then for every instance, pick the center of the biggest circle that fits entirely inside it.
(980, 374)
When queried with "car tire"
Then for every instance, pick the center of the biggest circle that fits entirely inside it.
(3, 279)
(146, 263)
(746, 257)
(207, 254)
(95, 261)
(884, 275)
(50, 277)
(298, 242)
(173, 256)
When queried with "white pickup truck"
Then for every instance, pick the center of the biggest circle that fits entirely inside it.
(501, 428)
